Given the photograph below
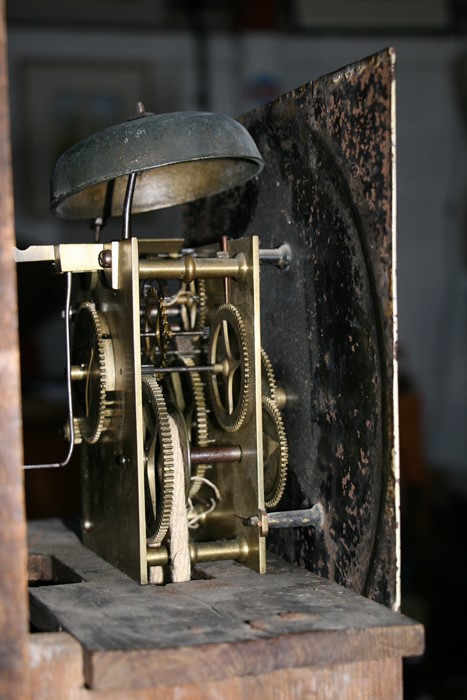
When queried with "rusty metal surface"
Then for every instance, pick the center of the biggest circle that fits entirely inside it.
(327, 320)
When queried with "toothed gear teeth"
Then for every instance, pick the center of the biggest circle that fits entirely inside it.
(194, 318)
(229, 410)
(202, 438)
(162, 503)
(99, 410)
(202, 304)
(268, 377)
(159, 325)
(275, 482)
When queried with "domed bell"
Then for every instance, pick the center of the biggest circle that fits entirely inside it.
(178, 157)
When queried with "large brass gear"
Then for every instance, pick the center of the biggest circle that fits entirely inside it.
(231, 388)
(194, 412)
(275, 453)
(156, 322)
(268, 379)
(92, 352)
(193, 307)
(159, 462)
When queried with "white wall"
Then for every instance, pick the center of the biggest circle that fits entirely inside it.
(432, 173)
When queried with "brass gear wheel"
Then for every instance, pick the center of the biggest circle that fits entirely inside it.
(156, 322)
(195, 414)
(231, 388)
(159, 462)
(268, 379)
(275, 453)
(193, 309)
(92, 352)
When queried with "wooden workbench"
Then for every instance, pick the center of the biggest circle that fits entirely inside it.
(230, 633)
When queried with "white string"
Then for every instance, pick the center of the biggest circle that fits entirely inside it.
(194, 515)
(179, 547)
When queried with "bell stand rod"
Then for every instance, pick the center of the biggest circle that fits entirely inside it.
(130, 190)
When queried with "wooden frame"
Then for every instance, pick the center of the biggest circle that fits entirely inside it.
(13, 606)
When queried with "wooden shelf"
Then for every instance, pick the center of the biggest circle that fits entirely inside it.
(229, 624)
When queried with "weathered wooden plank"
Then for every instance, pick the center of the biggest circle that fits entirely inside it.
(203, 664)
(13, 608)
(55, 666)
(235, 623)
(56, 673)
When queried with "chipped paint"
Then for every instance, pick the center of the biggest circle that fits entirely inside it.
(327, 321)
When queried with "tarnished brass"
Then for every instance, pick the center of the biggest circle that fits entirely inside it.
(242, 488)
(67, 257)
(113, 468)
(189, 268)
(107, 374)
(167, 346)
(78, 373)
(221, 550)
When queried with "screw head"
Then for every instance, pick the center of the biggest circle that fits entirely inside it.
(105, 258)
(87, 525)
(122, 461)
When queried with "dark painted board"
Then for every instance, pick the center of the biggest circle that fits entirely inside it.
(235, 623)
(327, 321)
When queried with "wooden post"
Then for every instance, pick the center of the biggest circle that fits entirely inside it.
(13, 566)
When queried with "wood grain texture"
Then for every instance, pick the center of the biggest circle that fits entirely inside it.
(371, 680)
(56, 674)
(13, 601)
(234, 624)
(55, 666)
(200, 665)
